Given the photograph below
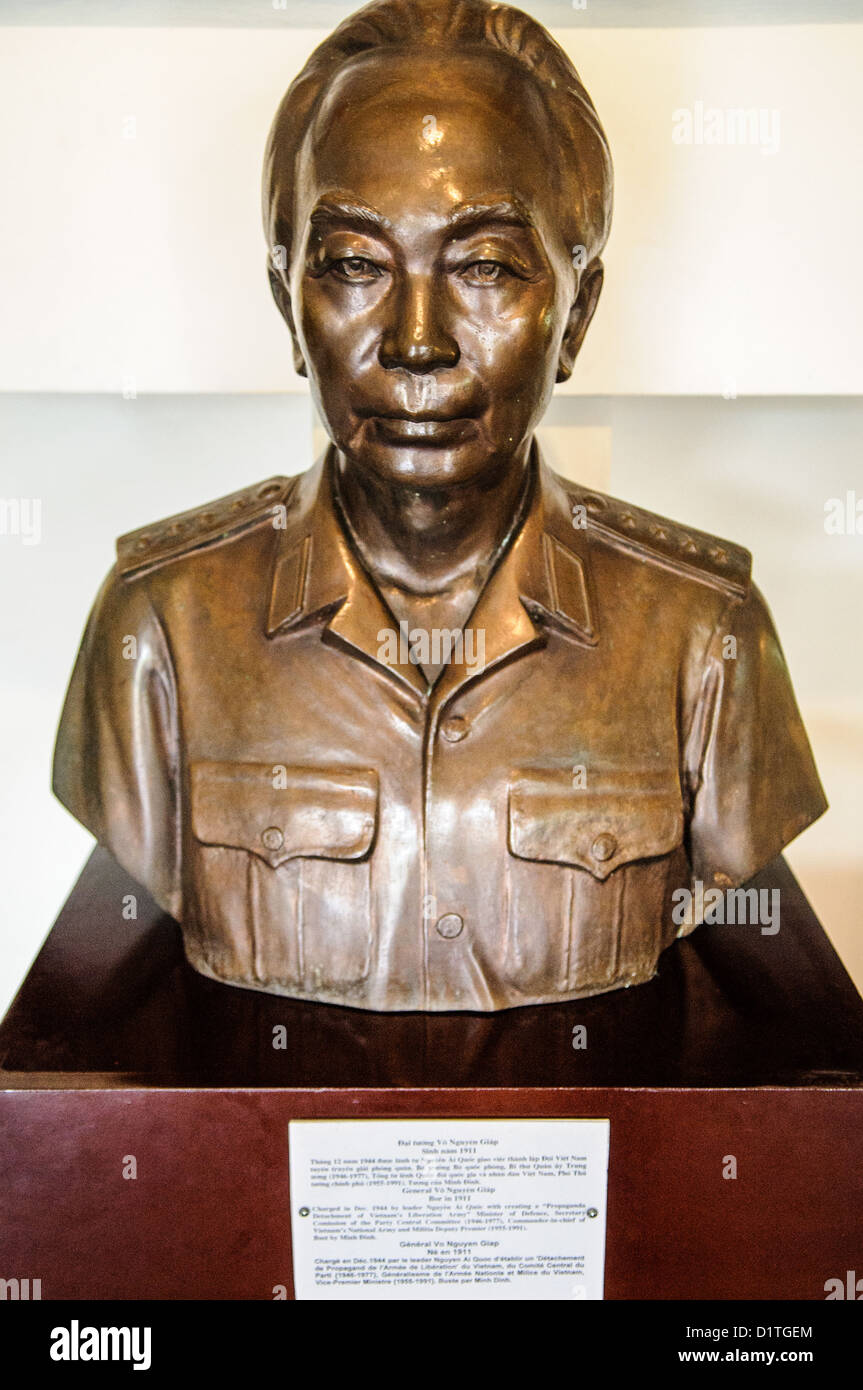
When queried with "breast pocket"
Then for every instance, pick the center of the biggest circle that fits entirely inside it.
(281, 861)
(591, 874)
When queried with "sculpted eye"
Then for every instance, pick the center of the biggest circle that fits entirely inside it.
(355, 270)
(484, 272)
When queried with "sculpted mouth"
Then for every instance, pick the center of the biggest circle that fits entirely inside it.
(430, 428)
(421, 417)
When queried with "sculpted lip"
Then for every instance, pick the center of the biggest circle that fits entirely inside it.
(421, 430)
(430, 427)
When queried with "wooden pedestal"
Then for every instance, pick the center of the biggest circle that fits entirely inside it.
(745, 1046)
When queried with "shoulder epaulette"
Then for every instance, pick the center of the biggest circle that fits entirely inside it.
(150, 546)
(707, 558)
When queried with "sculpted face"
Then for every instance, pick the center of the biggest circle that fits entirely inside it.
(433, 298)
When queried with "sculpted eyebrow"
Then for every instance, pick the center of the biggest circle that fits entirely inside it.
(472, 216)
(466, 219)
(356, 215)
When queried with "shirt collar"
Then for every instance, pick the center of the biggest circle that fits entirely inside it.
(541, 579)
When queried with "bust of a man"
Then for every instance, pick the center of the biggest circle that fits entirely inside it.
(427, 727)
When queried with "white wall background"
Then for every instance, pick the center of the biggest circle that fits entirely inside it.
(140, 263)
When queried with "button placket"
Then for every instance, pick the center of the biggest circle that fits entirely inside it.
(445, 926)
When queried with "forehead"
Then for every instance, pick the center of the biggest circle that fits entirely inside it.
(427, 128)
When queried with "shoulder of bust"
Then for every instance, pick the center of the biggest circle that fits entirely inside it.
(176, 536)
(659, 541)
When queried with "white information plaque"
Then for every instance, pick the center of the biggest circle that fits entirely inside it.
(448, 1209)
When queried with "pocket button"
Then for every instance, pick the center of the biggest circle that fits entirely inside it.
(272, 838)
(603, 847)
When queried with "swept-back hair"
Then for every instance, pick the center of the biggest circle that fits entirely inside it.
(415, 24)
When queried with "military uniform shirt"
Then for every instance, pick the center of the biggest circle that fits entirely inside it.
(325, 826)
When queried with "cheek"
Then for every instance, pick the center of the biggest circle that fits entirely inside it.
(513, 347)
(317, 325)
(339, 339)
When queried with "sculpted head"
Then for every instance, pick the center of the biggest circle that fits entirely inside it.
(437, 196)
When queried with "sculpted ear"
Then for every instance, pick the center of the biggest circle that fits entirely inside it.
(283, 304)
(579, 317)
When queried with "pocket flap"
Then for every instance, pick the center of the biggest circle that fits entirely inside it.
(282, 813)
(597, 828)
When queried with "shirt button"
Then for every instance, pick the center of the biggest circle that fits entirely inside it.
(272, 838)
(455, 728)
(603, 846)
(449, 925)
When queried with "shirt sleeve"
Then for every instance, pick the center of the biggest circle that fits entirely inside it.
(750, 768)
(115, 760)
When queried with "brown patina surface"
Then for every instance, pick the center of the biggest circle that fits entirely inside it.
(428, 727)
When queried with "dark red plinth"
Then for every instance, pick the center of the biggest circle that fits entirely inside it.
(744, 1045)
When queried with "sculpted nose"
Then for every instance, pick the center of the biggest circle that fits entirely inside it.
(416, 338)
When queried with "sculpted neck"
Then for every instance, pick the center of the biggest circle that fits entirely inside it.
(428, 541)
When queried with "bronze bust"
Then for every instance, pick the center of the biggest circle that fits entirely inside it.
(428, 727)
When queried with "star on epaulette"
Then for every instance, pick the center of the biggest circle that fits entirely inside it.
(177, 535)
(720, 563)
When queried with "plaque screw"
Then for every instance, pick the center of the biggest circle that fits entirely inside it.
(304, 1211)
(591, 1211)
